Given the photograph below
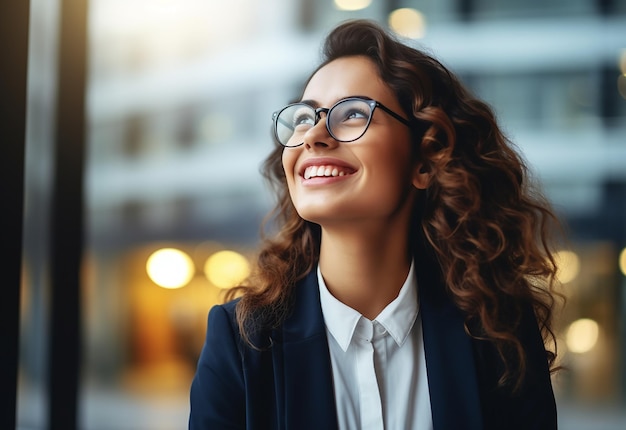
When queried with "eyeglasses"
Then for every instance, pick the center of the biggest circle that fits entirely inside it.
(346, 121)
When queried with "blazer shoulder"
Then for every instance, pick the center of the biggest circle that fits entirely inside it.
(222, 324)
(228, 308)
(217, 391)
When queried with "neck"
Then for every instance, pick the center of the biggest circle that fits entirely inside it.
(365, 268)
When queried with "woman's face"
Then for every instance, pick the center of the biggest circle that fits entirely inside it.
(369, 179)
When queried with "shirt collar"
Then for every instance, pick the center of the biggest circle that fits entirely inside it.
(397, 317)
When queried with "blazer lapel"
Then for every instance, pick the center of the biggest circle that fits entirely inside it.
(304, 389)
(301, 350)
(454, 394)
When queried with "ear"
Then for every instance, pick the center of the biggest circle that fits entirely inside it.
(421, 176)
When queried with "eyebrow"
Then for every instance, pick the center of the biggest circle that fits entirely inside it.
(316, 104)
(311, 103)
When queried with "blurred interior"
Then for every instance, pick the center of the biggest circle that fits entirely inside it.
(180, 97)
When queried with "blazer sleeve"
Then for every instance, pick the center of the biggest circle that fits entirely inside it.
(217, 396)
(533, 407)
(538, 406)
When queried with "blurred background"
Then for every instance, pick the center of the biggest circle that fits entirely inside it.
(179, 99)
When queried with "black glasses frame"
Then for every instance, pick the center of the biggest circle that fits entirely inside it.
(318, 111)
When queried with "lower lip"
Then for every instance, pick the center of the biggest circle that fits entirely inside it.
(324, 180)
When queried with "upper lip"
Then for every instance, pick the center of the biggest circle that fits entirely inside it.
(324, 161)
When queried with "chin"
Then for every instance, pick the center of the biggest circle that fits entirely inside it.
(313, 216)
(317, 214)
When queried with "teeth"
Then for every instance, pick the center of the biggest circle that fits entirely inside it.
(317, 171)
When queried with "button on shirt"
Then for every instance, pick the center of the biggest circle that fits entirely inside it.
(379, 369)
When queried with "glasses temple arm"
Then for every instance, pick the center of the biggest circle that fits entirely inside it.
(393, 114)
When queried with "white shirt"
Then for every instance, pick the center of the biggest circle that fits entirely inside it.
(379, 369)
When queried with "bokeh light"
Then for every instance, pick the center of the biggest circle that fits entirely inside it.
(226, 269)
(582, 335)
(408, 22)
(170, 268)
(568, 266)
(622, 261)
(352, 4)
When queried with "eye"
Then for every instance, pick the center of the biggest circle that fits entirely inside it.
(351, 112)
(355, 113)
(304, 117)
(351, 115)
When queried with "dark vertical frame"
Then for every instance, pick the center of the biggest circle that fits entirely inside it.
(609, 96)
(605, 7)
(14, 20)
(66, 239)
(466, 9)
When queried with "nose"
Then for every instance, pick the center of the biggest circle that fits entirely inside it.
(319, 137)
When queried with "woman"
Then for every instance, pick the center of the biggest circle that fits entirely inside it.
(409, 285)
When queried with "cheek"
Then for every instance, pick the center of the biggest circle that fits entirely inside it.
(391, 158)
(289, 161)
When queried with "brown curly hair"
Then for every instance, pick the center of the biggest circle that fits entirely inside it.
(487, 226)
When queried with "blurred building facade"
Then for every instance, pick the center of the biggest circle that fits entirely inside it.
(180, 99)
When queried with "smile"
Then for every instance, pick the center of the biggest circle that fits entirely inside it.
(324, 171)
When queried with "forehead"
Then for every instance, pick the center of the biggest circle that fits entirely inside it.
(344, 77)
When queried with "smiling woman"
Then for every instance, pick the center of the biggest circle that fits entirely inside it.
(412, 273)
(370, 146)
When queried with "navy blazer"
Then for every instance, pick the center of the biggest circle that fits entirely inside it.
(287, 383)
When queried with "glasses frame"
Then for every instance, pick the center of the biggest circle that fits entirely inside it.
(373, 104)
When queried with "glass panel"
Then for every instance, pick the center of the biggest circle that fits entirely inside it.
(178, 128)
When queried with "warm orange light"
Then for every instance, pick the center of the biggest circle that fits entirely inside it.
(226, 269)
(582, 335)
(170, 268)
(568, 266)
(408, 22)
(352, 4)
(622, 261)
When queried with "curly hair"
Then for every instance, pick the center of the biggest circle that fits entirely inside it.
(488, 227)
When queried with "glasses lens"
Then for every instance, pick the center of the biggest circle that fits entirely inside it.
(292, 122)
(349, 119)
